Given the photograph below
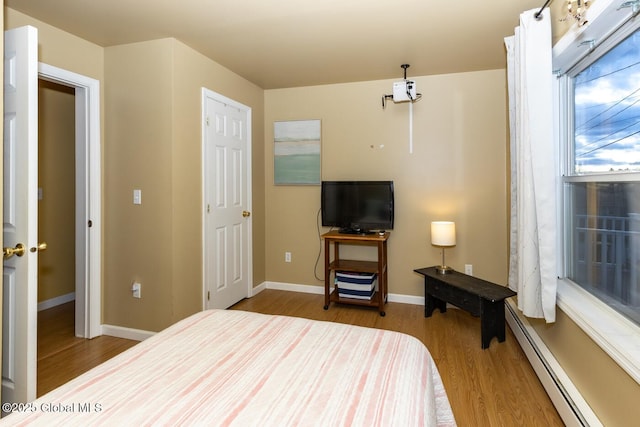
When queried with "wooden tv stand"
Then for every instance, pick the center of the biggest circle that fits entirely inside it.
(379, 267)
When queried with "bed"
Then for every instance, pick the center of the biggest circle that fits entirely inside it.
(236, 368)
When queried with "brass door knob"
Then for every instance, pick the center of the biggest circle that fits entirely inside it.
(9, 252)
(246, 214)
(41, 247)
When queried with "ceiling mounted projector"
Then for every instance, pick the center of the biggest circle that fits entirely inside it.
(403, 91)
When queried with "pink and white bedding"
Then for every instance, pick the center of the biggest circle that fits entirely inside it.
(225, 367)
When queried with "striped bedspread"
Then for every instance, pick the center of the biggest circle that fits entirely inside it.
(235, 368)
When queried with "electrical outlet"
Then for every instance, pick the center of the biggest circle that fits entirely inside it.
(287, 257)
(468, 269)
(136, 289)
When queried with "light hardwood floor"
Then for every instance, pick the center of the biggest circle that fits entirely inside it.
(492, 387)
(62, 356)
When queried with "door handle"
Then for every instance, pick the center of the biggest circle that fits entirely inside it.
(246, 214)
(41, 247)
(9, 252)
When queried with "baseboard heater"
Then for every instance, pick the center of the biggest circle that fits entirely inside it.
(566, 398)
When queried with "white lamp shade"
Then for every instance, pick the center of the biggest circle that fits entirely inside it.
(443, 233)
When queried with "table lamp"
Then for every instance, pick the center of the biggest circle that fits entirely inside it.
(443, 234)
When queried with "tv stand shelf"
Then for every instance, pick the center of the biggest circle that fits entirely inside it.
(378, 267)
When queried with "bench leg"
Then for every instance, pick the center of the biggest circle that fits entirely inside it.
(431, 303)
(491, 321)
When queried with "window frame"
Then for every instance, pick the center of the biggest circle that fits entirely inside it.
(609, 23)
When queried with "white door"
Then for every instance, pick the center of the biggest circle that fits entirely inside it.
(226, 187)
(20, 210)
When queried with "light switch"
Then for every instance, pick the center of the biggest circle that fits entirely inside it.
(137, 197)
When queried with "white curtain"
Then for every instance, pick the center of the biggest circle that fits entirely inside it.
(532, 259)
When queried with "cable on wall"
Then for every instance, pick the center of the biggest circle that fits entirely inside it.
(404, 91)
(315, 267)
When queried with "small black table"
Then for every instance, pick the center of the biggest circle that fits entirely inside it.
(477, 296)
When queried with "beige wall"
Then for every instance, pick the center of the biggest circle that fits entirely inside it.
(608, 389)
(137, 149)
(456, 172)
(192, 72)
(151, 140)
(56, 179)
(153, 122)
(59, 48)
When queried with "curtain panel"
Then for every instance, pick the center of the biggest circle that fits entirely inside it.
(533, 251)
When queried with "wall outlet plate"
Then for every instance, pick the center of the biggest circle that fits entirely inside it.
(468, 269)
(135, 290)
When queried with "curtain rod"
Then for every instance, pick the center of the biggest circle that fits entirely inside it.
(538, 14)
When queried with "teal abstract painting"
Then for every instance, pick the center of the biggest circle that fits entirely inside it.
(297, 152)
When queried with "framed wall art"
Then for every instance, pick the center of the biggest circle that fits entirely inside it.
(296, 152)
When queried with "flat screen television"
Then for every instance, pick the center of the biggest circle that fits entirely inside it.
(357, 207)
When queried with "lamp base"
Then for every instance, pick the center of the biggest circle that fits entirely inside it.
(443, 269)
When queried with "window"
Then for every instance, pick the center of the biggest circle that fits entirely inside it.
(598, 118)
(607, 111)
(605, 216)
(602, 183)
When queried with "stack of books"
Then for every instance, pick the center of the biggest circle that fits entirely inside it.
(356, 285)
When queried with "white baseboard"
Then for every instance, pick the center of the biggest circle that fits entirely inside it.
(62, 299)
(319, 290)
(127, 333)
(566, 398)
(406, 299)
(292, 287)
(141, 335)
(257, 289)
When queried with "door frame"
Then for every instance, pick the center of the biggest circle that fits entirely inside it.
(209, 94)
(88, 189)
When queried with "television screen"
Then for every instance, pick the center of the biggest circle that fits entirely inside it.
(357, 206)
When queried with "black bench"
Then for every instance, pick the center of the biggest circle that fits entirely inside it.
(477, 296)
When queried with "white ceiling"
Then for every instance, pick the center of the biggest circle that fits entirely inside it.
(289, 43)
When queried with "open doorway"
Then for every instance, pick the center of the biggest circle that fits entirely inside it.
(85, 191)
(56, 195)
(56, 223)
(69, 193)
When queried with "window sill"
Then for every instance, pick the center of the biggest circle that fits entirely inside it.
(617, 336)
